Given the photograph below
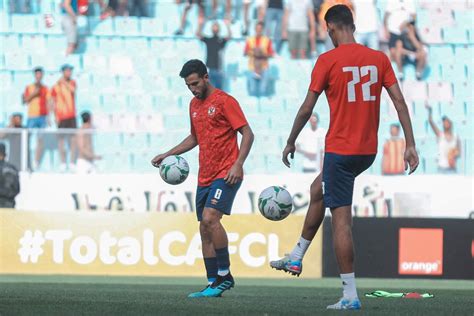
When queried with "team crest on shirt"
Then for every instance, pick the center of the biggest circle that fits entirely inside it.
(211, 111)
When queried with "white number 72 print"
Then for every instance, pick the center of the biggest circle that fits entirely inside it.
(357, 73)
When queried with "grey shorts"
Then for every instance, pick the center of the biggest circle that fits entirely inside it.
(298, 41)
(70, 29)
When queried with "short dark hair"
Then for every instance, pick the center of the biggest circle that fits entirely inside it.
(86, 117)
(193, 66)
(395, 125)
(341, 15)
(38, 69)
(261, 23)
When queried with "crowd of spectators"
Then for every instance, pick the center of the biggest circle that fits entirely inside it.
(298, 23)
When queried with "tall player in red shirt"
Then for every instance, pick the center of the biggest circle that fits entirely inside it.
(352, 76)
(216, 117)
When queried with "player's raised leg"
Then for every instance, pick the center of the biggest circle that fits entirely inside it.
(292, 262)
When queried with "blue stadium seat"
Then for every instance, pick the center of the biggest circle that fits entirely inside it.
(110, 45)
(458, 35)
(463, 52)
(24, 23)
(126, 26)
(95, 63)
(136, 141)
(17, 61)
(87, 101)
(463, 17)
(104, 28)
(114, 102)
(114, 161)
(141, 162)
(4, 23)
(6, 79)
(175, 122)
(33, 43)
(463, 90)
(152, 27)
(10, 42)
(130, 84)
(56, 43)
(141, 103)
(107, 142)
(454, 71)
(47, 61)
(440, 53)
(136, 46)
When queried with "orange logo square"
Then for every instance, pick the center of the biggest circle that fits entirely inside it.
(420, 251)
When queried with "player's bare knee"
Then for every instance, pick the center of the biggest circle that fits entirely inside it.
(316, 191)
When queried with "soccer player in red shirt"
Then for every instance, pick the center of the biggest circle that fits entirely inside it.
(216, 117)
(352, 77)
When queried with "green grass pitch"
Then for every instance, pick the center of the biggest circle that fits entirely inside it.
(91, 295)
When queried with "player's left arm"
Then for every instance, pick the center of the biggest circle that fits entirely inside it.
(304, 113)
(236, 173)
(411, 155)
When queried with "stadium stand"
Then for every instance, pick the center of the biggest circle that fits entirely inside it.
(127, 74)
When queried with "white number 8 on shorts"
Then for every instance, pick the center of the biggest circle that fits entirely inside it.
(218, 194)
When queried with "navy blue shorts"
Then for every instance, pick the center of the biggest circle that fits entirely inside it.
(339, 173)
(219, 195)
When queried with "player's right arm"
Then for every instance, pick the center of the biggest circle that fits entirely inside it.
(304, 113)
(411, 156)
(186, 145)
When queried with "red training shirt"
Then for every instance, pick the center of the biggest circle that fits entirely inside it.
(214, 122)
(352, 76)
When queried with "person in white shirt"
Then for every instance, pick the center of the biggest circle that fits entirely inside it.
(299, 27)
(367, 23)
(398, 14)
(311, 144)
(449, 145)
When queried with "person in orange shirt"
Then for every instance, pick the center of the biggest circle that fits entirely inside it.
(63, 96)
(259, 49)
(36, 97)
(393, 149)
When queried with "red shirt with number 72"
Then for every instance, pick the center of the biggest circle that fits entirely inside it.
(352, 76)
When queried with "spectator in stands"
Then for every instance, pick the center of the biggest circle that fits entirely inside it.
(449, 145)
(273, 13)
(63, 96)
(228, 7)
(114, 8)
(260, 13)
(23, 6)
(411, 50)
(189, 3)
(299, 27)
(398, 14)
(214, 47)
(259, 49)
(36, 97)
(9, 181)
(393, 150)
(137, 8)
(367, 23)
(70, 11)
(86, 155)
(13, 139)
(311, 144)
